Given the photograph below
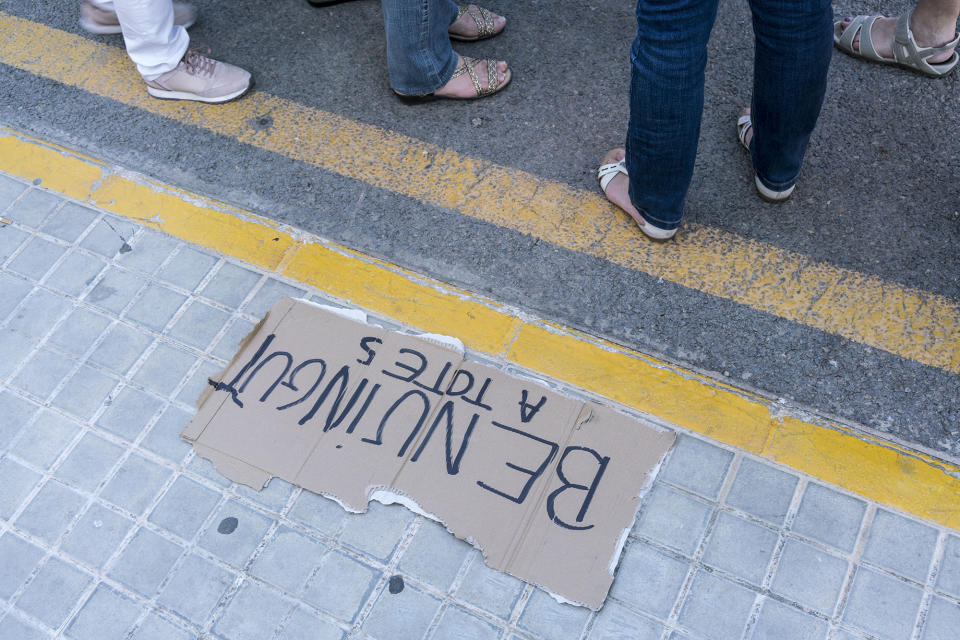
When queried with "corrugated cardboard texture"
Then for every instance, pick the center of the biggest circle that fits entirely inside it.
(545, 485)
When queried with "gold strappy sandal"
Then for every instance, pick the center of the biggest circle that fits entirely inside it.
(486, 27)
(468, 66)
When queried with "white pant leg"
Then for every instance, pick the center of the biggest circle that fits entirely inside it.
(153, 42)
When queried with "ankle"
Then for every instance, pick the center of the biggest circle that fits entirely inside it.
(932, 28)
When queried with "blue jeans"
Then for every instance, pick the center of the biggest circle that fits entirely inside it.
(793, 42)
(420, 58)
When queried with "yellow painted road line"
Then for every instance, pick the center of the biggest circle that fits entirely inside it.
(908, 322)
(886, 473)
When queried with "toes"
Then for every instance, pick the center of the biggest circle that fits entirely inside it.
(614, 155)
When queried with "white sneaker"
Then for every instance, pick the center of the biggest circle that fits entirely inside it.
(103, 22)
(198, 77)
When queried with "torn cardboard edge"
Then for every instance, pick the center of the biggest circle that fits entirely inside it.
(546, 486)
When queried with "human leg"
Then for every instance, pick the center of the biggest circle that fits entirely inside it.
(100, 16)
(932, 22)
(793, 44)
(159, 48)
(154, 43)
(668, 58)
(420, 58)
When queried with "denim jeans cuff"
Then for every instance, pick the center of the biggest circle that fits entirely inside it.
(776, 186)
(660, 224)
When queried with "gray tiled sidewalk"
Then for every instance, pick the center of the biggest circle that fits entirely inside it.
(110, 527)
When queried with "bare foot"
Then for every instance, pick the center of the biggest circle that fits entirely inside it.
(466, 25)
(618, 192)
(461, 86)
(884, 29)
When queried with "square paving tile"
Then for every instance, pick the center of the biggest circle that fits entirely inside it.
(187, 268)
(697, 466)
(79, 331)
(809, 576)
(551, 620)
(75, 273)
(231, 285)
(115, 290)
(51, 511)
(288, 560)
(780, 622)
(88, 464)
(304, 625)
(145, 562)
(38, 314)
(53, 593)
(198, 325)
(948, 579)
(377, 531)
(17, 482)
(488, 589)
(43, 373)
(18, 558)
(740, 547)
(84, 392)
(195, 587)
(98, 534)
(619, 623)
(36, 259)
(674, 519)
(340, 586)
(943, 620)
(715, 608)
(762, 491)
(900, 545)
(136, 484)
(236, 531)
(184, 507)
(69, 222)
(33, 207)
(129, 413)
(155, 307)
(434, 555)
(649, 580)
(882, 605)
(457, 624)
(830, 517)
(46, 439)
(254, 613)
(401, 616)
(121, 347)
(107, 615)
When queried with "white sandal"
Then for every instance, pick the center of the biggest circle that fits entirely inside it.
(608, 172)
(744, 123)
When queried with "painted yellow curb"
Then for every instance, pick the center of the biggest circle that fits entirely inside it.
(908, 322)
(912, 482)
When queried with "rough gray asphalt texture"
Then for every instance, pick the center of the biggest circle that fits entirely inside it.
(879, 193)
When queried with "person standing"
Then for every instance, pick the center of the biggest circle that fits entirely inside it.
(793, 42)
(156, 39)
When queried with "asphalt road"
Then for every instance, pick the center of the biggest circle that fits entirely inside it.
(879, 193)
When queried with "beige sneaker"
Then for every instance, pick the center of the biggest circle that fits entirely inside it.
(198, 77)
(97, 20)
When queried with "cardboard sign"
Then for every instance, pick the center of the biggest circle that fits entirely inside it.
(546, 486)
